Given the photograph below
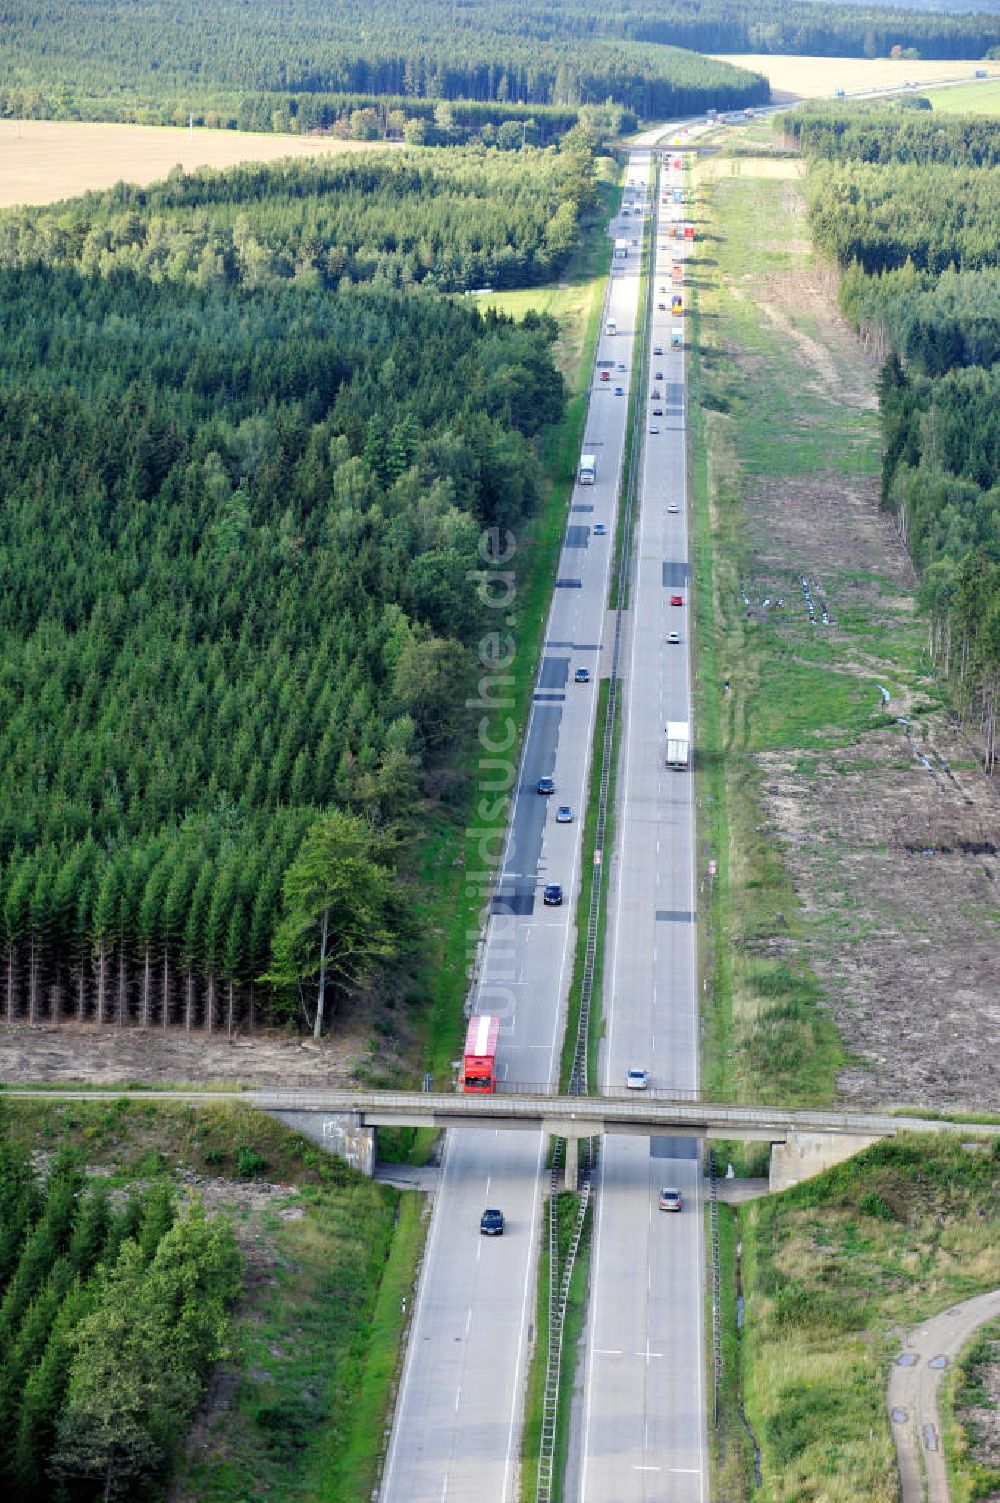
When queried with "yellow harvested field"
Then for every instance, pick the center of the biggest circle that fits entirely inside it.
(818, 77)
(42, 161)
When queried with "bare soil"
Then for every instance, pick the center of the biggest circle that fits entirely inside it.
(68, 1054)
(897, 866)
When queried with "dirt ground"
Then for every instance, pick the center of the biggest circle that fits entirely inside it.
(43, 161)
(894, 843)
(68, 1054)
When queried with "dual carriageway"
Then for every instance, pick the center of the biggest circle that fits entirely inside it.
(640, 1430)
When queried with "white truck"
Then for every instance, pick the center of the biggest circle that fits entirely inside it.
(611, 327)
(678, 743)
(588, 469)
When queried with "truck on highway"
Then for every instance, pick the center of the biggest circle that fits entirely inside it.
(611, 327)
(588, 469)
(479, 1062)
(678, 743)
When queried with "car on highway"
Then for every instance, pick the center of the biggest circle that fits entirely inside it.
(661, 307)
(621, 365)
(657, 375)
(677, 600)
(491, 1222)
(655, 395)
(605, 375)
(657, 411)
(546, 785)
(657, 349)
(662, 289)
(673, 639)
(654, 427)
(552, 894)
(673, 507)
(582, 676)
(636, 1080)
(599, 529)
(564, 815)
(619, 391)
(670, 1199)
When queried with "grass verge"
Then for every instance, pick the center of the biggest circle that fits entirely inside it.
(835, 1269)
(967, 1407)
(587, 879)
(576, 1314)
(636, 411)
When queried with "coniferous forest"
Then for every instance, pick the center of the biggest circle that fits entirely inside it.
(245, 471)
(111, 1314)
(265, 67)
(910, 210)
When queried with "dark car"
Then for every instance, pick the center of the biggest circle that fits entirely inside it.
(657, 411)
(491, 1223)
(657, 349)
(552, 894)
(546, 785)
(582, 676)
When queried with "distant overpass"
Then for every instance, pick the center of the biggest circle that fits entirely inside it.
(804, 1141)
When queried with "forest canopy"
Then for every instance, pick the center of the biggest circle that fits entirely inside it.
(914, 224)
(243, 496)
(83, 56)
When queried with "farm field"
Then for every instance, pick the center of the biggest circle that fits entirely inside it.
(968, 99)
(816, 77)
(43, 161)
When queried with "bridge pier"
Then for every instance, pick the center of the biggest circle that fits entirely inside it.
(804, 1154)
(343, 1134)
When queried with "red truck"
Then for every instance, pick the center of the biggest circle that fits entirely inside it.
(479, 1064)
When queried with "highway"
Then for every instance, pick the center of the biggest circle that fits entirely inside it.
(644, 1410)
(458, 1416)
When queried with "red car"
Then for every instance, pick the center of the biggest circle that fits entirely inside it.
(677, 600)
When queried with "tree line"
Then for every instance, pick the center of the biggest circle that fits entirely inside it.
(448, 220)
(110, 1317)
(509, 52)
(917, 242)
(239, 550)
(871, 133)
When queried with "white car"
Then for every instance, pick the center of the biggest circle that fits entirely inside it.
(636, 1080)
(673, 639)
(654, 427)
(673, 507)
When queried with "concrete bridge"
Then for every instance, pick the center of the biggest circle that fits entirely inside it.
(803, 1142)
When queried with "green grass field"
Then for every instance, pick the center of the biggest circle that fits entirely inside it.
(835, 1270)
(967, 99)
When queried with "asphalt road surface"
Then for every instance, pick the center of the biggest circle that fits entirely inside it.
(644, 1425)
(457, 1426)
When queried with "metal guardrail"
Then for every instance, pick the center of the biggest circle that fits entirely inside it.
(579, 1083)
(713, 1216)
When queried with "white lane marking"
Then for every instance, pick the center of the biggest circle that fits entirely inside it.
(444, 1489)
(637, 1468)
(686, 1471)
(458, 1398)
(608, 1351)
(468, 1321)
